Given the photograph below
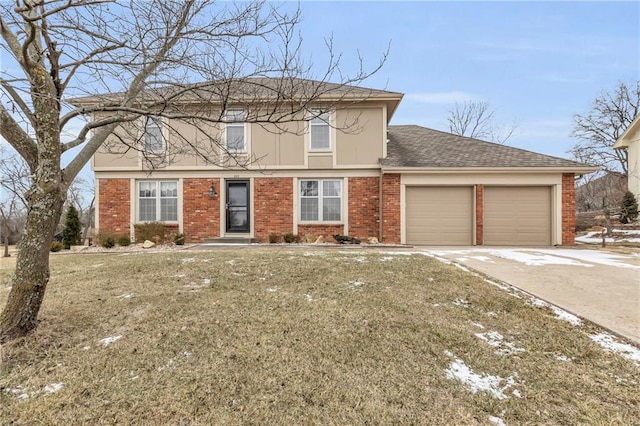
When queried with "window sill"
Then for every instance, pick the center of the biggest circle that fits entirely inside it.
(321, 223)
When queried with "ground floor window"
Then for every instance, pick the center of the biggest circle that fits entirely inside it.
(157, 201)
(321, 200)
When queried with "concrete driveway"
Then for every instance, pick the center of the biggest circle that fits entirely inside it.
(600, 286)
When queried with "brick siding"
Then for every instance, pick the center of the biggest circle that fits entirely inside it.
(391, 208)
(327, 231)
(364, 197)
(568, 209)
(479, 214)
(200, 214)
(115, 205)
(273, 207)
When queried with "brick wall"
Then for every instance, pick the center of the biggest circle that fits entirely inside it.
(364, 195)
(391, 208)
(568, 209)
(115, 205)
(200, 214)
(327, 231)
(273, 207)
(479, 214)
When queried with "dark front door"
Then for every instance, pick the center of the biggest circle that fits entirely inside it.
(238, 206)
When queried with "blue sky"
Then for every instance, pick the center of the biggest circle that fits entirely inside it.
(536, 63)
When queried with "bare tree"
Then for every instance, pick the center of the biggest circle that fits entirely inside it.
(14, 181)
(172, 60)
(476, 119)
(597, 131)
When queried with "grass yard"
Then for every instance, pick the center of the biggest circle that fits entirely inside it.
(301, 336)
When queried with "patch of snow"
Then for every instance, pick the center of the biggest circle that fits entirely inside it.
(497, 421)
(180, 276)
(477, 324)
(461, 302)
(461, 267)
(536, 258)
(495, 339)
(516, 393)
(308, 297)
(386, 259)
(599, 257)
(313, 253)
(188, 260)
(86, 348)
(239, 274)
(595, 237)
(273, 289)
(562, 358)
(458, 370)
(610, 343)
(53, 388)
(538, 303)
(483, 259)
(97, 265)
(430, 279)
(230, 262)
(134, 378)
(436, 305)
(109, 340)
(206, 281)
(563, 315)
(491, 314)
(126, 296)
(356, 283)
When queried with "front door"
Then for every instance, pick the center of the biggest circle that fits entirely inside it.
(238, 206)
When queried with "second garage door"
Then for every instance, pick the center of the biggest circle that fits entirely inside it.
(439, 215)
(517, 215)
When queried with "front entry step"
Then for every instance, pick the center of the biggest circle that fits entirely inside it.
(231, 240)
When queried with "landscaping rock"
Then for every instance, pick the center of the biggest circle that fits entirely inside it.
(78, 248)
(320, 240)
(372, 240)
(148, 244)
(309, 238)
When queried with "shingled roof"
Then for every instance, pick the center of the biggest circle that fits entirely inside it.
(420, 147)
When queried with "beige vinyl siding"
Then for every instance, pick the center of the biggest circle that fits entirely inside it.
(517, 215)
(439, 215)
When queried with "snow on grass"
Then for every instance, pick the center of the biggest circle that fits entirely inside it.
(563, 315)
(458, 370)
(611, 343)
(308, 297)
(461, 302)
(386, 259)
(496, 340)
(206, 281)
(497, 421)
(599, 257)
(620, 236)
(109, 340)
(230, 262)
(356, 284)
(126, 296)
(559, 313)
(188, 260)
(273, 289)
(53, 388)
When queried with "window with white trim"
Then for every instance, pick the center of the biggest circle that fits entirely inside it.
(320, 131)
(321, 200)
(157, 201)
(153, 138)
(235, 136)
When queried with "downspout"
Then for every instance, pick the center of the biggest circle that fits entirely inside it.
(380, 202)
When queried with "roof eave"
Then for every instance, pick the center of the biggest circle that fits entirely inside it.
(410, 170)
(623, 141)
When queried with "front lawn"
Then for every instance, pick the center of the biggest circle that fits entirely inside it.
(302, 336)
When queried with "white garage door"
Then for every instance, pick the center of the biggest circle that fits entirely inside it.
(517, 215)
(439, 215)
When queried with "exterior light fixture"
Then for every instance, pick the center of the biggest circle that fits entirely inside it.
(212, 191)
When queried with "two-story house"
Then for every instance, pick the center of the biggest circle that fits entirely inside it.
(341, 169)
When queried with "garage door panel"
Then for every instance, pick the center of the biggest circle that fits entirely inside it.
(439, 215)
(517, 216)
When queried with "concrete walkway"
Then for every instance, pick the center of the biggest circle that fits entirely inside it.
(597, 285)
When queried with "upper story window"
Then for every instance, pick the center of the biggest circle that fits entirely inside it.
(153, 138)
(320, 200)
(320, 131)
(235, 136)
(157, 201)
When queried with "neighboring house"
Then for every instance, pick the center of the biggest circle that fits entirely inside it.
(401, 184)
(630, 141)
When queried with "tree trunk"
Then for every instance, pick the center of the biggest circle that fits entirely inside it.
(5, 232)
(31, 276)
